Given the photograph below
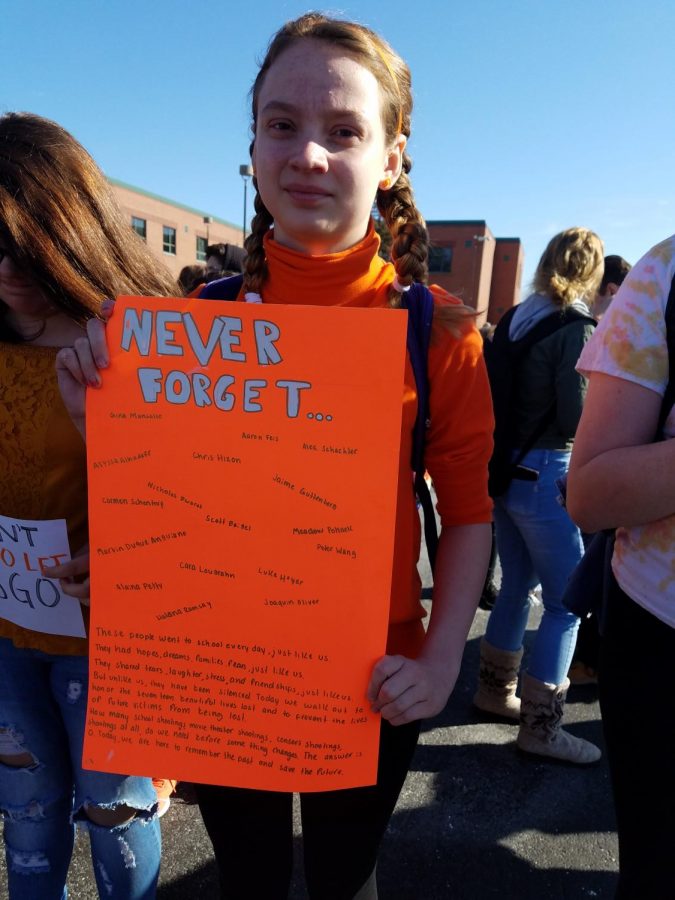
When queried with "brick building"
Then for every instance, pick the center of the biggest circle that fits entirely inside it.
(507, 272)
(176, 234)
(465, 257)
(467, 260)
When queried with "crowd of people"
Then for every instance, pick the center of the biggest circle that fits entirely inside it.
(331, 118)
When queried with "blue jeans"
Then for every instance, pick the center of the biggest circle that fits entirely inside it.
(538, 544)
(43, 703)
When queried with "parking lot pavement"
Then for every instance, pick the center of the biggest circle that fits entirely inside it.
(476, 819)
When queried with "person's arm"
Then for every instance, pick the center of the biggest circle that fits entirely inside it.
(617, 475)
(78, 367)
(459, 443)
(73, 576)
(403, 689)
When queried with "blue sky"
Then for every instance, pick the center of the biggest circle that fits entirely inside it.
(534, 115)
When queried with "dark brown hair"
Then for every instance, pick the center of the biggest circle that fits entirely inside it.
(60, 222)
(616, 269)
(230, 255)
(190, 277)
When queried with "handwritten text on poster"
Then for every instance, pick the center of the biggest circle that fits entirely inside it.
(243, 472)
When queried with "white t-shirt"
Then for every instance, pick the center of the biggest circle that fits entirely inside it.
(630, 343)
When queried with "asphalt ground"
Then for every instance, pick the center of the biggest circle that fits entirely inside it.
(476, 818)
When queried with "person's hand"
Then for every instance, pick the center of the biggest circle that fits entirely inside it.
(73, 576)
(403, 690)
(77, 367)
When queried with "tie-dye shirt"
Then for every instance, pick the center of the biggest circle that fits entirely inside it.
(630, 343)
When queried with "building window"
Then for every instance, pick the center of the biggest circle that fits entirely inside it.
(139, 226)
(201, 249)
(468, 244)
(507, 258)
(169, 240)
(440, 259)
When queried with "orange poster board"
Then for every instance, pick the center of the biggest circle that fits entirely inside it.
(243, 462)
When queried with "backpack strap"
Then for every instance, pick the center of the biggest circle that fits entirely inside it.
(419, 301)
(223, 289)
(519, 350)
(545, 327)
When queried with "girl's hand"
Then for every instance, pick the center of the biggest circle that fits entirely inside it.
(404, 690)
(77, 367)
(71, 574)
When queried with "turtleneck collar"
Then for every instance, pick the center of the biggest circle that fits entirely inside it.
(354, 277)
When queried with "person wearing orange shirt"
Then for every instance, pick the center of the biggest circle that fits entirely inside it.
(331, 119)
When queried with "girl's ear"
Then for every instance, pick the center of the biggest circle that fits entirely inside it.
(393, 163)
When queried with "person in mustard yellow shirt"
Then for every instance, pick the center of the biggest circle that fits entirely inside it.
(331, 118)
(62, 240)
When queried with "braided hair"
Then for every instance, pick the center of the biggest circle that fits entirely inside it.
(396, 204)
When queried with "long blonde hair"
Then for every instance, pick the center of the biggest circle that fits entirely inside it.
(570, 267)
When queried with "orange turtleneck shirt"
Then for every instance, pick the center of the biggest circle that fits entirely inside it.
(459, 439)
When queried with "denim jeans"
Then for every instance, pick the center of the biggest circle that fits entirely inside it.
(43, 703)
(538, 544)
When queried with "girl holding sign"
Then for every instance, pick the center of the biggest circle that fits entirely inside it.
(331, 119)
(62, 238)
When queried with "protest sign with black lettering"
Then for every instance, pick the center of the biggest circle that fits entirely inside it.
(27, 597)
(243, 472)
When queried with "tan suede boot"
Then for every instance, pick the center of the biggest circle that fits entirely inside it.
(541, 713)
(498, 680)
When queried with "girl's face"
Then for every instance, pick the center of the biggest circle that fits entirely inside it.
(320, 150)
(18, 290)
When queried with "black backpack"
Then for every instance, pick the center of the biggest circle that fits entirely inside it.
(503, 359)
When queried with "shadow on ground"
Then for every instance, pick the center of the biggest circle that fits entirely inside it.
(477, 819)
